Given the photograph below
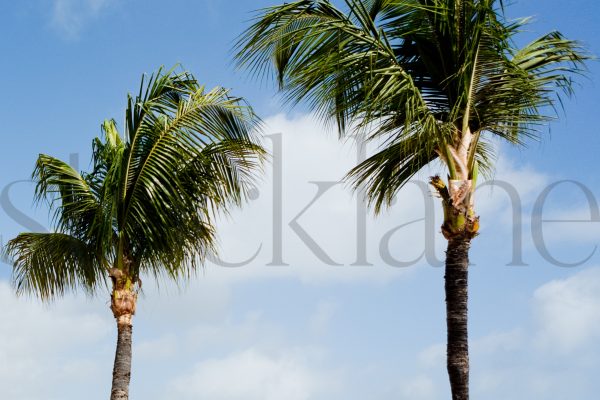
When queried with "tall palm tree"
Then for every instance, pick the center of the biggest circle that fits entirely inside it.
(427, 80)
(147, 206)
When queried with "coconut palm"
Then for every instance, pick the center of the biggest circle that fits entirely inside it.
(427, 80)
(148, 205)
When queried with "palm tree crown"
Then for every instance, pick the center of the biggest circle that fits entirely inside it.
(430, 79)
(147, 206)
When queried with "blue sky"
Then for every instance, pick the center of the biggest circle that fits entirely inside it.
(307, 331)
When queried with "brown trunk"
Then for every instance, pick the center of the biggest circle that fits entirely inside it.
(123, 302)
(456, 285)
(122, 367)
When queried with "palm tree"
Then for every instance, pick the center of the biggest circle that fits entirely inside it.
(427, 80)
(147, 206)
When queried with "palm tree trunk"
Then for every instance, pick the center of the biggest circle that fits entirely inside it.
(123, 303)
(456, 285)
(122, 367)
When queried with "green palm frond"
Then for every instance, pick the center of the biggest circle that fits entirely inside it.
(519, 94)
(383, 174)
(199, 151)
(49, 264)
(58, 182)
(340, 64)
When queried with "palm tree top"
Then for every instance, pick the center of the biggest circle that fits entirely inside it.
(148, 204)
(427, 79)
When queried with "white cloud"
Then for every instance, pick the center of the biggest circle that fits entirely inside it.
(44, 347)
(209, 297)
(311, 154)
(568, 312)
(492, 201)
(70, 16)
(252, 375)
(251, 330)
(574, 225)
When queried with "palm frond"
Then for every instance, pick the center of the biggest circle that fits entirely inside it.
(519, 94)
(343, 65)
(74, 202)
(386, 172)
(198, 153)
(50, 264)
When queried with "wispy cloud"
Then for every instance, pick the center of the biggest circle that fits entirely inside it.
(70, 17)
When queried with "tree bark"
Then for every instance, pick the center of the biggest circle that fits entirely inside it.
(122, 303)
(456, 285)
(122, 367)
